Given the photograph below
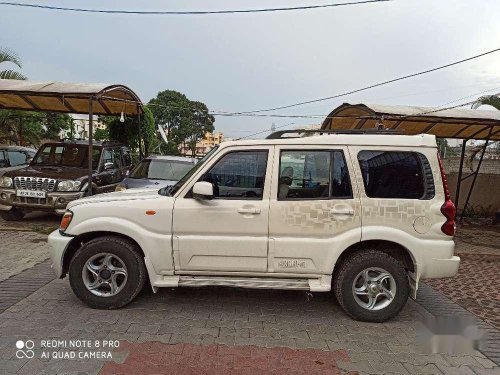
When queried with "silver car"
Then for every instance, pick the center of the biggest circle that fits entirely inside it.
(157, 171)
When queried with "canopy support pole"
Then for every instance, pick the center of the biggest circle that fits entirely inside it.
(140, 132)
(460, 169)
(475, 173)
(91, 135)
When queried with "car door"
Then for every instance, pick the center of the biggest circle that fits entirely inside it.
(230, 232)
(314, 210)
(110, 172)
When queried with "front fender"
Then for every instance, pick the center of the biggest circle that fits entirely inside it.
(156, 246)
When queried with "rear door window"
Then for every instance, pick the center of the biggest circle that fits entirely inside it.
(314, 174)
(396, 174)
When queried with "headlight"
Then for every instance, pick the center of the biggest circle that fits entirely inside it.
(120, 187)
(5, 181)
(65, 221)
(68, 185)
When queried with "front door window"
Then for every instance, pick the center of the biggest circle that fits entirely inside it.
(239, 175)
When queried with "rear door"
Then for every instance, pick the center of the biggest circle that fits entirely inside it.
(314, 210)
(397, 190)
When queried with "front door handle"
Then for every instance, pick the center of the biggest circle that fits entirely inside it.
(342, 211)
(251, 211)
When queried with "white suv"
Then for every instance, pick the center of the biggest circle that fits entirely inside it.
(364, 215)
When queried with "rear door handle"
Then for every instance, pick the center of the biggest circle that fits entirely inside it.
(342, 211)
(251, 211)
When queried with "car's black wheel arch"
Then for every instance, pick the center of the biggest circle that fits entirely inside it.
(80, 240)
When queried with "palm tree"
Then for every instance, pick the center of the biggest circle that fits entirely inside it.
(7, 56)
(493, 100)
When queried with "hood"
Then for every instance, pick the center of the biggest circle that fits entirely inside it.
(50, 171)
(10, 169)
(118, 196)
(144, 183)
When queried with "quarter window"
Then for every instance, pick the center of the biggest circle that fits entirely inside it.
(313, 175)
(395, 174)
(239, 175)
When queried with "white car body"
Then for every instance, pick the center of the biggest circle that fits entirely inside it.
(269, 243)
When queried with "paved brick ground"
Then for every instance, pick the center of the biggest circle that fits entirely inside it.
(476, 287)
(18, 287)
(159, 358)
(20, 251)
(232, 318)
(193, 323)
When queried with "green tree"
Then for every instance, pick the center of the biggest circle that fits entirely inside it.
(201, 123)
(7, 56)
(185, 121)
(30, 128)
(172, 111)
(128, 133)
(493, 100)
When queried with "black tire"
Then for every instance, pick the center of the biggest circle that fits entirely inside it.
(350, 269)
(14, 214)
(132, 259)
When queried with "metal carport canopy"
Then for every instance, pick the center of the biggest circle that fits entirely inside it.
(410, 120)
(68, 97)
(83, 98)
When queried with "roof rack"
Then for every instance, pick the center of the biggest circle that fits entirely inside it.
(307, 132)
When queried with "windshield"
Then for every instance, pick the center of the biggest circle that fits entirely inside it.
(171, 190)
(161, 169)
(69, 155)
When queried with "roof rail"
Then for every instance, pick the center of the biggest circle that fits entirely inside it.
(307, 132)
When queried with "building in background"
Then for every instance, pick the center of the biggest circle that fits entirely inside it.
(204, 145)
(80, 127)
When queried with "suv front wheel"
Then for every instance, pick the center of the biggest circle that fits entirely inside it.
(371, 286)
(107, 272)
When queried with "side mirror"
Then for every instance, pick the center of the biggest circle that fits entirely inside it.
(203, 190)
(108, 166)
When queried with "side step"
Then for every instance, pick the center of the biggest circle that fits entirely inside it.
(244, 282)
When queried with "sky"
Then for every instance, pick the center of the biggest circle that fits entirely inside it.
(250, 61)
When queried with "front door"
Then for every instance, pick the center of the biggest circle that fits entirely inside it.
(314, 210)
(230, 232)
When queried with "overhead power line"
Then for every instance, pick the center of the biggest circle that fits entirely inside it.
(190, 12)
(374, 85)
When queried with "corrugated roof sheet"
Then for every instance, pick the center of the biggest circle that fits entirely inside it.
(444, 123)
(68, 97)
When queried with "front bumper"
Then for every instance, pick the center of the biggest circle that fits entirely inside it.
(59, 244)
(53, 201)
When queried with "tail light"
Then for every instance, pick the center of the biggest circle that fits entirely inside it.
(448, 208)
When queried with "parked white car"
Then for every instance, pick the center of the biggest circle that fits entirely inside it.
(364, 215)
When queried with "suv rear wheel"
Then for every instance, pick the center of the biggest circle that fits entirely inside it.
(14, 214)
(107, 272)
(371, 286)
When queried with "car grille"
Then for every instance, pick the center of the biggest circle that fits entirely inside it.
(34, 183)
